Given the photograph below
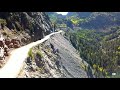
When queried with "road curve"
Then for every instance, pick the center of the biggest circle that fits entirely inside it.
(17, 57)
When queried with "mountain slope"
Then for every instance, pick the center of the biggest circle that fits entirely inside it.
(101, 20)
(20, 28)
(17, 57)
(55, 58)
(32, 25)
(96, 36)
(89, 20)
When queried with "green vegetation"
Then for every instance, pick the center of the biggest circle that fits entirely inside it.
(61, 25)
(30, 54)
(100, 49)
(83, 66)
(67, 21)
(76, 20)
(98, 41)
(39, 53)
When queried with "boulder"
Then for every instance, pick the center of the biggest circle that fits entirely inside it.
(23, 40)
(7, 42)
(6, 50)
(10, 45)
(6, 54)
(1, 53)
(15, 41)
(1, 44)
(16, 46)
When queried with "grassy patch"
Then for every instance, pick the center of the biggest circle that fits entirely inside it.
(30, 54)
(83, 66)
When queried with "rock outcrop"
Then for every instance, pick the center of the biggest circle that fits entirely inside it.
(21, 28)
(6, 45)
(35, 24)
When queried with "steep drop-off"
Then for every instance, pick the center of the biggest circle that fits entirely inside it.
(55, 58)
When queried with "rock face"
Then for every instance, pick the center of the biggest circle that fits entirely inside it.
(36, 24)
(21, 28)
(55, 58)
(6, 45)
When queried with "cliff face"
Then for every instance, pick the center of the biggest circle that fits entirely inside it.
(20, 28)
(55, 58)
(35, 24)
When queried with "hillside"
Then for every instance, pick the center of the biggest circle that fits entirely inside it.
(96, 36)
(101, 20)
(50, 45)
(27, 25)
(88, 20)
(28, 37)
(55, 58)
(20, 28)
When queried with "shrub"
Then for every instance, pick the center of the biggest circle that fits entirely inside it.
(83, 66)
(30, 54)
(39, 53)
(100, 69)
(94, 66)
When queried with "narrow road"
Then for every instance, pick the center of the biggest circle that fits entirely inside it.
(18, 56)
